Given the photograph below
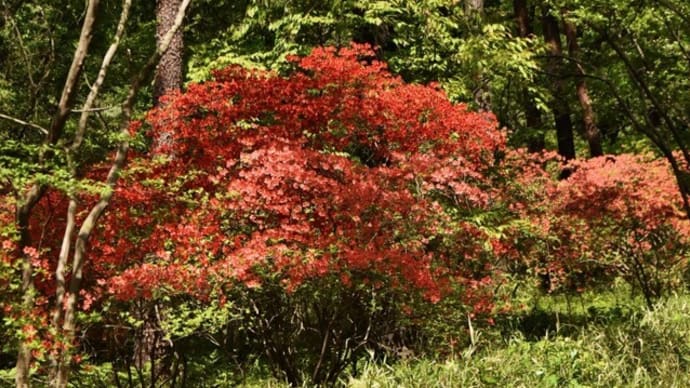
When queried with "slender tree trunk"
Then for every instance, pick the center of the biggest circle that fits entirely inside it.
(591, 130)
(91, 220)
(34, 194)
(561, 109)
(169, 71)
(60, 361)
(474, 6)
(24, 353)
(533, 121)
(474, 9)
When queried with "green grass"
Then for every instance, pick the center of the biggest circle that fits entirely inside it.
(650, 348)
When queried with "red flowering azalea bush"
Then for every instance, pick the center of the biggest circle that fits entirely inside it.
(8, 248)
(8, 237)
(337, 168)
(614, 216)
(337, 189)
(626, 215)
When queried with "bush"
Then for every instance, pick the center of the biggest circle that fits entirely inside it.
(613, 217)
(324, 205)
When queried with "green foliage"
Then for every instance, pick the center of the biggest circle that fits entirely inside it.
(190, 318)
(36, 45)
(423, 41)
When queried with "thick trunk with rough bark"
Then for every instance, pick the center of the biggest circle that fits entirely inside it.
(560, 107)
(591, 130)
(169, 71)
(169, 76)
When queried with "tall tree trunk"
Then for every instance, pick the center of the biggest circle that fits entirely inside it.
(88, 225)
(591, 130)
(534, 124)
(35, 193)
(560, 107)
(169, 71)
(474, 9)
(169, 76)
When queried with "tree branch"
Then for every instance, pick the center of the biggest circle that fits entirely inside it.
(95, 88)
(24, 123)
(92, 218)
(70, 88)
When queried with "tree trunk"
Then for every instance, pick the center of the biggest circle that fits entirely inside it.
(591, 130)
(169, 76)
(24, 353)
(560, 107)
(533, 121)
(169, 71)
(34, 194)
(474, 6)
(474, 9)
(91, 221)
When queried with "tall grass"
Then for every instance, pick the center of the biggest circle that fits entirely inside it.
(649, 348)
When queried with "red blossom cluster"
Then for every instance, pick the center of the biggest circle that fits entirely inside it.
(613, 216)
(340, 170)
(336, 169)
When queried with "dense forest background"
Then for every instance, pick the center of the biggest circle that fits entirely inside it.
(363, 193)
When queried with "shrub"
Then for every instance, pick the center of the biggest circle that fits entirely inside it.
(614, 216)
(337, 189)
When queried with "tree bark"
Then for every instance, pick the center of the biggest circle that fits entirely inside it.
(474, 6)
(533, 121)
(59, 361)
(169, 77)
(169, 71)
(591, 131)
(560, 107)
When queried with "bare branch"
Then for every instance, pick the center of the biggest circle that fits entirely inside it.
(97, 109)
(24, 123)
(24, 51)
